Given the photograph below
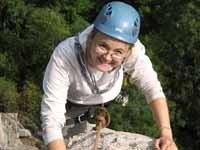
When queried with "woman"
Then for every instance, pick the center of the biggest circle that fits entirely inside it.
(87, 70)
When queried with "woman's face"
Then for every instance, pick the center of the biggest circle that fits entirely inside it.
(106, 53)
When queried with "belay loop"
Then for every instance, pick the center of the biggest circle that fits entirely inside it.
(102, 121)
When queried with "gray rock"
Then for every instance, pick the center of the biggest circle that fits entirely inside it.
(24, 133)
(10, 131)
(110, 140)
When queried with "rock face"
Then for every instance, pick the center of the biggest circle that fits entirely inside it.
(10, 133)
(110, 140)
(13, 136)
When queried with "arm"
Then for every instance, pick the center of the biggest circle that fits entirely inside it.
(57, 145)
(161, 115)
(142, 74)
(55, 86)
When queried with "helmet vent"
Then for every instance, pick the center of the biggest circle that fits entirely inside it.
(135, 31)
(108, 13)
(108, 10)
(109, 6)
(136, 23)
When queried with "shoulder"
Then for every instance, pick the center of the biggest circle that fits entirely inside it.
(138, 48)
(64, 49)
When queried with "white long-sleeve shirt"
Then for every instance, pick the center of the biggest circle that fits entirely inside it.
(63, 81)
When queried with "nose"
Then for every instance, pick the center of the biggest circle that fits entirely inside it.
(108, 56)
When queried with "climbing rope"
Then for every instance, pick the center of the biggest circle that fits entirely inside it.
(102, 121)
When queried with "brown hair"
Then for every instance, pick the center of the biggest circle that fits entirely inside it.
(88, 44)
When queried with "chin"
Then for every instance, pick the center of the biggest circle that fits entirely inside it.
(104, 69)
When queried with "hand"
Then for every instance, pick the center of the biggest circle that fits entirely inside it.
(57, 145)
(165, 143)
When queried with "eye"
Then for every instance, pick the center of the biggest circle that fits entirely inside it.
(102, 45)
(119, 52)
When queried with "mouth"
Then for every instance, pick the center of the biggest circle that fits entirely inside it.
(102, 61)
(103, 65)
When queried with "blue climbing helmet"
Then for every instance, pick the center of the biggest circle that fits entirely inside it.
(120, 21)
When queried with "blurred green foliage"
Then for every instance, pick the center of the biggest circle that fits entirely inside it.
(29, 106)
(8, 96)
(170, 30)
(135, 117)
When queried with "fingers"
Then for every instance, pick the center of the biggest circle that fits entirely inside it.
(157, 144)
(165, 143)
(174, 147)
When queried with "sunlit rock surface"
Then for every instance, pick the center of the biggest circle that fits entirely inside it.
(110, 140)
(10, 133)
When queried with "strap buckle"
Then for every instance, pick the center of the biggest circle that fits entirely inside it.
(81, 118)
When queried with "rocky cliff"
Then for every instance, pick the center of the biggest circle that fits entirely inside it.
(12, 133)
(110, 140)
(13, 136)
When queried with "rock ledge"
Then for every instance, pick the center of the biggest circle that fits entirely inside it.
(110, 140)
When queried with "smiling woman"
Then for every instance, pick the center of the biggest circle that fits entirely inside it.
(86, 71)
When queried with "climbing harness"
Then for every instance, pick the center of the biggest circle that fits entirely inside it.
(98, 115)
(87, 113)
(102, 121)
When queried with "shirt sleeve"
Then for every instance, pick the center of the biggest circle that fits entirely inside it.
(142, 74)
(55, 87)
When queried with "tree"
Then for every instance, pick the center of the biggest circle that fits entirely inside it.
(136, 117)
(43, 30)
(8, 96)
(29, 106)
(28, 36)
